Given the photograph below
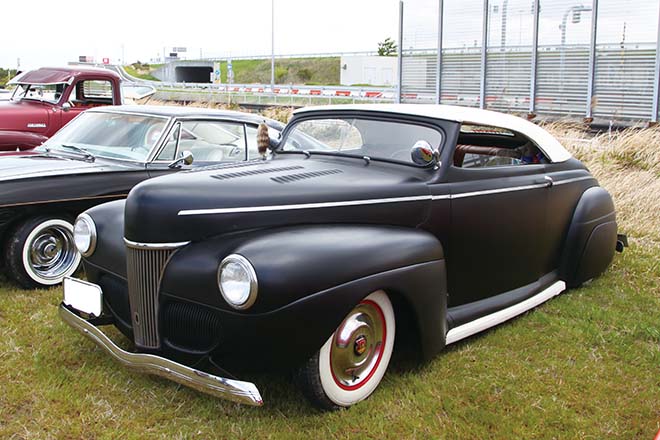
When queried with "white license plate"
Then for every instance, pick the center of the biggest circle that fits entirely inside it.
(83, 296)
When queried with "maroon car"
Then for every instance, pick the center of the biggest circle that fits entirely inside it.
(46, 99)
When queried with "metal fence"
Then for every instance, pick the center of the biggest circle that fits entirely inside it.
(592, 59)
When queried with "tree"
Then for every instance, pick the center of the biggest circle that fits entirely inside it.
(387, 48)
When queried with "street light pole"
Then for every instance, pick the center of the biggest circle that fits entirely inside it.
(563, 26)
(272, 46)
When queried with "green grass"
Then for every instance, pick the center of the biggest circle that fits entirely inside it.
(134, 72)
(584, 365)
(287, 71)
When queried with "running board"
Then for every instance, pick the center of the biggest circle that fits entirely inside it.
(488, 321)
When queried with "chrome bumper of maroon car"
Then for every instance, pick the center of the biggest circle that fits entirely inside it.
(230, 389)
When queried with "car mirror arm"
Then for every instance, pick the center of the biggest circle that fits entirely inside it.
(185, 159)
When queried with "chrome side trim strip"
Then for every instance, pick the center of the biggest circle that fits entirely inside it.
(574, 179)
(488, 321)
(136, 245)
(245, 209)
(498, 191)
(230, 389)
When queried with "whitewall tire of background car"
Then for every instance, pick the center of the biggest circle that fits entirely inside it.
(41, 252)
(352, 362)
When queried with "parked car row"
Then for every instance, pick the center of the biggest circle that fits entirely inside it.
(363, 225)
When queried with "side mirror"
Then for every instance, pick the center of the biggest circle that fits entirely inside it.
(422, 153)
(66, 106)
(186, 158)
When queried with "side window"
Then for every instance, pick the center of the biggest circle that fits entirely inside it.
(97, 89)
(481, 146)
(213, 141)
(91, 92)
(168, 152)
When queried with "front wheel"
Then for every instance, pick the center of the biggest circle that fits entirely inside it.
(41, 252)
(352, 362)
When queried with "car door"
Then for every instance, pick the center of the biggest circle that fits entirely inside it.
(210, 142)
(498, 211)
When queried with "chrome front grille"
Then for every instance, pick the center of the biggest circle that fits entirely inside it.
(145, 266)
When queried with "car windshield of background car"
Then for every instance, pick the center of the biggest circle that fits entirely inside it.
(39, 92)
(377, 139)
(111, 135)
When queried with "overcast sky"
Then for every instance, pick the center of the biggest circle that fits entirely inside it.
(47, 33)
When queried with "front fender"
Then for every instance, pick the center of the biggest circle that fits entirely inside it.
(309, 278)
(22, 140)
(294, 262)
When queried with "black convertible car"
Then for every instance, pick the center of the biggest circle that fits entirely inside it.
(370, 224)
(98, 157)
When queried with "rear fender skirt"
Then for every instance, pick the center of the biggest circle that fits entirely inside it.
(591, 238)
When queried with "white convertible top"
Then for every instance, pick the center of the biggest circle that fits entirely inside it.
(468, 115)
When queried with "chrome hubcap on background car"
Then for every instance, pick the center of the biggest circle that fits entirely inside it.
(357, 346)
(52, 253)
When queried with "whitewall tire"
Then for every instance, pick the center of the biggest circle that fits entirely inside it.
(41, 252)
(352, 362)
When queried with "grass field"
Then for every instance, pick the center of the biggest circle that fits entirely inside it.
(585, 365)
(287, 71)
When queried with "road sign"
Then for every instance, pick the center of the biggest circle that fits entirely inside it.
(106, 60)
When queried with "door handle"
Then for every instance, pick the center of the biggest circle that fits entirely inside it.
(547, 182)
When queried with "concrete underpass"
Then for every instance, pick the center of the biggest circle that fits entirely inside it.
(193, 74)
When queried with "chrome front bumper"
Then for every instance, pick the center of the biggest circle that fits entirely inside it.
(237, 391)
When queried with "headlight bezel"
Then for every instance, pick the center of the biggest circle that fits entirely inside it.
(252, 278)
(84, 218)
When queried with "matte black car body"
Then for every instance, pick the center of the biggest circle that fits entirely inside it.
(450, 246)
(60, 184)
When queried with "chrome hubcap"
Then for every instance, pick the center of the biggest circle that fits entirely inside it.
(357, 346)
(52, 253)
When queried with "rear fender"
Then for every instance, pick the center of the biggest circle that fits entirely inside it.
(591, 238)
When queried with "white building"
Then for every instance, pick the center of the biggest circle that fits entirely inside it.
(372, 70)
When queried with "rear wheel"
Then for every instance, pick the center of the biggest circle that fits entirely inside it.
(41, 252)
(352, 362)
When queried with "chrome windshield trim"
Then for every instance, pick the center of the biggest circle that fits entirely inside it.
(246, 209)
(137, 245)
(230, 389)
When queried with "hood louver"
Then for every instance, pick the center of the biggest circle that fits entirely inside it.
(302, 176)
(247, 173)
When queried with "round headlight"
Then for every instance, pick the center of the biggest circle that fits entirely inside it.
(84, 235)
(237, 281)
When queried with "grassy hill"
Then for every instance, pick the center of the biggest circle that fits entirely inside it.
(323, 71)
(310, 71)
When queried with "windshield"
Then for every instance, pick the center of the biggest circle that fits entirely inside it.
(377, 139)
(111, 135)
(39, 92)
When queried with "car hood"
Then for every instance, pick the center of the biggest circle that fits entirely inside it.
(289, 190)
(30, 165)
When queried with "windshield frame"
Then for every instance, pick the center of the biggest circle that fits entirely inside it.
(399, 118)
(170, 120)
